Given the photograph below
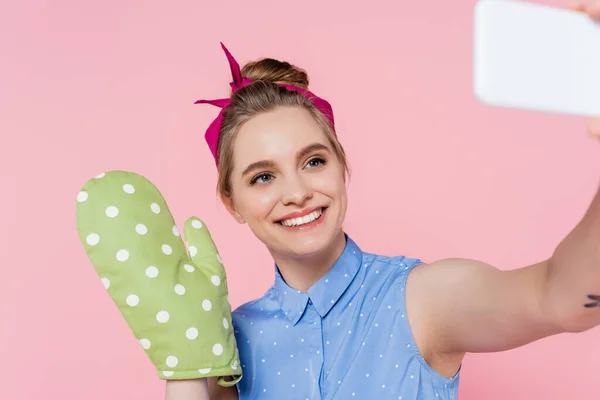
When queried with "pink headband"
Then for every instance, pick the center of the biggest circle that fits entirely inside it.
(213, 131)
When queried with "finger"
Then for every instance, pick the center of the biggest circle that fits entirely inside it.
(576, 6)
(593, 9)
(202, 248)
(594, 127)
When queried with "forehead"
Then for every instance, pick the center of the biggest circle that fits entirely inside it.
(276, 135)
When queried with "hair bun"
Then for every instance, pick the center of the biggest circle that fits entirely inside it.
(275, 71)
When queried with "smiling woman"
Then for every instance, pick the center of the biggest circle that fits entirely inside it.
(283, 172)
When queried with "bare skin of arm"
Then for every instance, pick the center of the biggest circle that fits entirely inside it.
(459, 306)
(193, 389)
(199, 389)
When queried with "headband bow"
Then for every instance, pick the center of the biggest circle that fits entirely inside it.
(238, 81)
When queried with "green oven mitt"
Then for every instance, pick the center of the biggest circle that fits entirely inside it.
(176, 304)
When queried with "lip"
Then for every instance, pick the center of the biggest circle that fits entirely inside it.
(307, 227)
(299, 214)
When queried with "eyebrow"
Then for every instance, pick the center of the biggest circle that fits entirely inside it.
(264, 164)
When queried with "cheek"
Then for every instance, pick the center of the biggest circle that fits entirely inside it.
(257, 203)
(331, 183)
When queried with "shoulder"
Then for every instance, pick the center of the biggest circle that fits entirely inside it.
(385, 276)
(395, 268)
(255, 304)
(255, 309)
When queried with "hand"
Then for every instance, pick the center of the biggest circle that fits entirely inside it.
(176, 304)
(592, 8)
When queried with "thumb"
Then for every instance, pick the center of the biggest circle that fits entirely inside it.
(202, 248)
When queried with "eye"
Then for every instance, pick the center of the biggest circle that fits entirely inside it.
(261, 178)
(316, 162)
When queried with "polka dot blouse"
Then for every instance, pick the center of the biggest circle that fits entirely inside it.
(346, 338)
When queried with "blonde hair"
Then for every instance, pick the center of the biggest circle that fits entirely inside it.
(264, 95)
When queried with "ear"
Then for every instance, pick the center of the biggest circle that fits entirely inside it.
(230, 206)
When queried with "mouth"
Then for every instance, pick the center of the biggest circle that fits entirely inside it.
(305, 221)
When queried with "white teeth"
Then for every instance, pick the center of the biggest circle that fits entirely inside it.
(302, 220)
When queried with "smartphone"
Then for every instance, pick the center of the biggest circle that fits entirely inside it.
(536, 57)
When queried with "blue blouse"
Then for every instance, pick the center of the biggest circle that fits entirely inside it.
(347, 337)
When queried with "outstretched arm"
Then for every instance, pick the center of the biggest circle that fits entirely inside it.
(458, 306)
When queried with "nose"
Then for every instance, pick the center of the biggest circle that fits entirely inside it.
(296, 191)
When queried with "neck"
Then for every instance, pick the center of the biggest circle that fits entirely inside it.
(301, 273)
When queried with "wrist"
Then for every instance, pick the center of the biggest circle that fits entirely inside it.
(187, 389)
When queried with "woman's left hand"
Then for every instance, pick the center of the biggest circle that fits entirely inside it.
(592, 8)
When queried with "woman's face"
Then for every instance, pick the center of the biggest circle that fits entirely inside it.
(287, 183)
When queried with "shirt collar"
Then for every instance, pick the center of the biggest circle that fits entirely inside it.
(325, 293)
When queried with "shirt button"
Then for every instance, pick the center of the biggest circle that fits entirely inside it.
(309, 301)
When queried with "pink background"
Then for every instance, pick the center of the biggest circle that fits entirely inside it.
(91, 86)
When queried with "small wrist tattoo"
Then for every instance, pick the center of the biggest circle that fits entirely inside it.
(595, 301)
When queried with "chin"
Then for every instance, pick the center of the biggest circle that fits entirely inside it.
(308, 247)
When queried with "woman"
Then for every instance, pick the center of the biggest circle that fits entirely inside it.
(342, 323)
